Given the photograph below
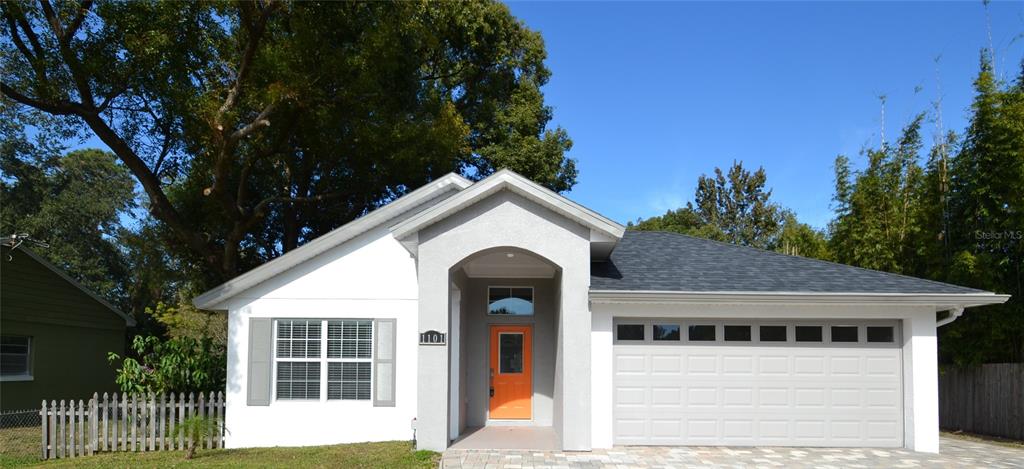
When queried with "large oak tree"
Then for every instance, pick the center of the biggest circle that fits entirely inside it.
(254, 126)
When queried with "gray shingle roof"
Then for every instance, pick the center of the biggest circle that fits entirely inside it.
(660, 261)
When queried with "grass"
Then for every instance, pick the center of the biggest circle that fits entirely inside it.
(390, 454)
(19, 446)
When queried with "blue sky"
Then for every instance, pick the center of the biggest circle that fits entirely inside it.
(655, 94)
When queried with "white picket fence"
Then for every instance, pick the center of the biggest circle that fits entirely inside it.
(133, 422)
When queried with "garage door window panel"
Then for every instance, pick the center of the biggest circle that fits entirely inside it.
(666, 332)
(701, 333)
(808, 333)
(844, 334)
(773, 333)
(736, 333)
(881, 334)
(630, 332)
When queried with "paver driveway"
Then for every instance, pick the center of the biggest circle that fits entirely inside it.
(955, 453)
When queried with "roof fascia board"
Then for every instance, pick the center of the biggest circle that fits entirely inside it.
(506, 179)
(941, 301)
(213, 298)
(128, 320)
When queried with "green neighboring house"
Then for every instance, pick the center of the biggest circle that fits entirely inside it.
(54, 333)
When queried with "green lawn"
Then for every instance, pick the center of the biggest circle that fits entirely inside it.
(19, 446)
(391, 454)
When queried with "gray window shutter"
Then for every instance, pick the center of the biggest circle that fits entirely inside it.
(384, 362)
(261, 341)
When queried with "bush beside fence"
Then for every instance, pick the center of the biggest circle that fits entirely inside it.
(987, 400)
(133, 422)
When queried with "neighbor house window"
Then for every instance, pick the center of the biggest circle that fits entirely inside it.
(510, 301)
(303, 351)
(15, 352)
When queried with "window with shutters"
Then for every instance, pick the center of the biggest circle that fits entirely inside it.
(316, 359)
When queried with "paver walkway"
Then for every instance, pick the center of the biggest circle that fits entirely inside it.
(956, 452)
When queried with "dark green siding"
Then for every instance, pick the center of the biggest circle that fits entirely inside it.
(71, 334)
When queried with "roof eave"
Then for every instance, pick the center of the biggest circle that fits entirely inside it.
(128, 320)
(214, 298)
(502, 180)
(941, 301)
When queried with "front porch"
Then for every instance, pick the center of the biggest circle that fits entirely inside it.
(508, 438)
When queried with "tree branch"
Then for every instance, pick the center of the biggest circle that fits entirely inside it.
(62, 108)
(260, 121)
(262, 206)
(83, 10)
(84, 92)
(160, 204)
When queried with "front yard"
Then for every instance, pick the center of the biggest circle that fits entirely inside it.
(392, 454)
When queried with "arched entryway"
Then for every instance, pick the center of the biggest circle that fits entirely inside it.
(501, 224)
(504, 311)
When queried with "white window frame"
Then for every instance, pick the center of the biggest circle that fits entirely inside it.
(323, 360)
(27, 375)
(533, 301)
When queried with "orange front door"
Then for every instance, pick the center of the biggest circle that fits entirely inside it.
(511, 372)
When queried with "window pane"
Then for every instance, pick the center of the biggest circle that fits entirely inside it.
(510, 353)
(298, 380)
(666, 332)
(630, 331)
(348, 380)
(808, 333)
(881, 334)
(773, 333)
(350, 339)
(844, 334)
(701, 333)
(510, 301)
(737, 333)
(14, 353)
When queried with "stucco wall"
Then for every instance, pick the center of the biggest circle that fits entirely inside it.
(371, 276)
(920, 373)
(476, 336)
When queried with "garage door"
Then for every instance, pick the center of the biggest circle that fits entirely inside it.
(783, 383)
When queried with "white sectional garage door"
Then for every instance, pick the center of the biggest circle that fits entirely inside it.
(766, 383)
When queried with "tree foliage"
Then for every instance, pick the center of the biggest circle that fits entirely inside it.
(736, 207)
(252, 127)
(876, 208)
(959, 218)
(73, 202)
(180, 364)
(987, 239)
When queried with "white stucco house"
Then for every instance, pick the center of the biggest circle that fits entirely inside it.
(499, 303)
